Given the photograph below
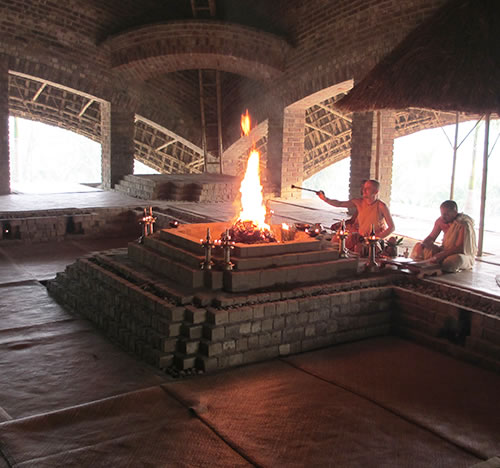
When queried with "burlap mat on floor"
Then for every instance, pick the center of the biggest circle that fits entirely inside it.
(453, 399)
(65, 366)
(279, 416)
(139, 429)
(28, 305)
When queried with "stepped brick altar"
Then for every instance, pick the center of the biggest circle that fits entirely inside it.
(280, 299)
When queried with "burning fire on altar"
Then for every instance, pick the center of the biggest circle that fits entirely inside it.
(252, 223)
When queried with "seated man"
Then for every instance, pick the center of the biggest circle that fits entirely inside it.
(458, 250)
(370, 211)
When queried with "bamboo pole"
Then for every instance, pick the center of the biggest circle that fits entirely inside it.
(455, 147)
(219, 118)
(483, 185)
(203, 121)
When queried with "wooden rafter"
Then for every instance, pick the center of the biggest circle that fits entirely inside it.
(85, 107)
(335, 112)
(42, 87)
(314, 127)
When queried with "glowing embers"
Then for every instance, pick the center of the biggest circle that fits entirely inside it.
(251, 226)
(247, 232)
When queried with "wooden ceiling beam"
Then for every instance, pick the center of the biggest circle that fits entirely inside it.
(335, 112)
(35, 97)
(85, 107)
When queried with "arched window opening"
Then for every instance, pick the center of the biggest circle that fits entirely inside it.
(49, 159)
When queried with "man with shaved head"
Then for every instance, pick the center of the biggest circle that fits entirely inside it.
(458, 250)
(370, 211)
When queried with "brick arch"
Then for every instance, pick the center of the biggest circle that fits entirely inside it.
(157, 49)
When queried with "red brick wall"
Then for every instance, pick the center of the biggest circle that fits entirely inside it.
(4, 129)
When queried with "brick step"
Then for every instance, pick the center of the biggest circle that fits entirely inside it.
(182, 361)
(178, 272)
(140, 275)
(141, 322)
(290, 275)
(188, 347)
(173, 252)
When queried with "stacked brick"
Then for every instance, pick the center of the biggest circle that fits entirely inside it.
(195, 188)
(275, 324)
(166, 327)
(59, 225)
(178, 322)
(143, 323)
(371, 151)
(117, 133)
(138, 187)
(292, 164)
(156, 49)
(471, 333)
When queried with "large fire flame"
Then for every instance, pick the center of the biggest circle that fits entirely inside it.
(252, 200)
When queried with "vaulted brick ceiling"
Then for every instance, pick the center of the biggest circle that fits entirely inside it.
(262, 34)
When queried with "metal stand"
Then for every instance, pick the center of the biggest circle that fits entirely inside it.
(227, 245)
(208, 245)
(371, 265)
(343, 252)
(147, 222)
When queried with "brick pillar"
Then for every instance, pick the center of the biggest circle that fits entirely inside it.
(274, 153)
(117, 135)
(371, 151)
(4, 129)
(292, 162)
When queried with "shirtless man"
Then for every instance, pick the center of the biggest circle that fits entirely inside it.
(370, 210)
(458, 250)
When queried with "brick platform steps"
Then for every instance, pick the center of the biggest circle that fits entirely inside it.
(185, 187)
(169, 324)
(154, 300)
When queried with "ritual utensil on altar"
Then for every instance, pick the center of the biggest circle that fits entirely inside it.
(302, 226)
(147, 222)
(174, 224)
(342, 234)
(287, 233)
(314, 230)
(227, 245)
(371, 265)
(208, 245)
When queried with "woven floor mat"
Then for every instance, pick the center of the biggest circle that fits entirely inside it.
(143, 428)
(451, 398)
(62, 365)
(26, 305)
(279, 416)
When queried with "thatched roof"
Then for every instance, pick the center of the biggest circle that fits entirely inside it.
(450, 62)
